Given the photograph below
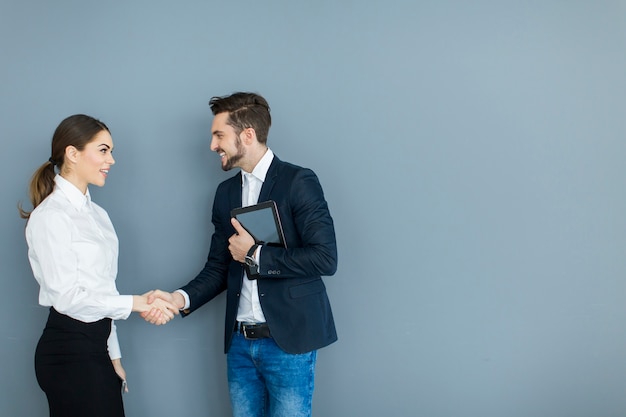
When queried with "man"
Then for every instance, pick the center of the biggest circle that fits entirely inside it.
(277, 311)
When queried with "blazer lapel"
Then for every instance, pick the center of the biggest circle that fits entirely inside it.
(270, 180)
(235, 193)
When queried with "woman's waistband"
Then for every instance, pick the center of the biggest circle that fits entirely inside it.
(62, 321)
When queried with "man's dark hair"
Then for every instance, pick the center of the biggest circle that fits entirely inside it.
(245, 110)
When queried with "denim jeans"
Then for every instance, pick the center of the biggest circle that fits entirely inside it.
(265, 381)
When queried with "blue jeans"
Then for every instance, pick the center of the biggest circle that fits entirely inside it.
(265, 381)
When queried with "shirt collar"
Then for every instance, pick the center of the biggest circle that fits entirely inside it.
(79, 200)
(261, 168)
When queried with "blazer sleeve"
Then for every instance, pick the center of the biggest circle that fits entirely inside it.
(309, 232)
(212, 279)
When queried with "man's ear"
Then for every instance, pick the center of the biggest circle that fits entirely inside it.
(249, 136)
(71, 154)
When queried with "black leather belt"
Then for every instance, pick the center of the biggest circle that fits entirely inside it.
(253, 330)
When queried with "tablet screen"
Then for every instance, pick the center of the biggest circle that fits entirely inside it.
(262, 222)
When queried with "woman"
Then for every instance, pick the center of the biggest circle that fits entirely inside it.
(73, 250)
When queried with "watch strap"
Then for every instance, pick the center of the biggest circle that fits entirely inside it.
(252, 250)
(252, 268)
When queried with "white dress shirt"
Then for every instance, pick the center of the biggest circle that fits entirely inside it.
(73, 251)
(249, 310)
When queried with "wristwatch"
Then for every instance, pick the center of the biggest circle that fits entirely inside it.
(252, 266)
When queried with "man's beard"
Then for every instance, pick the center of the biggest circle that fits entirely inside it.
(232, 160)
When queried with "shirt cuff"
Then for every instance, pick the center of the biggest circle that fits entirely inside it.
(113, 344)
(121, 306)
(186, 297)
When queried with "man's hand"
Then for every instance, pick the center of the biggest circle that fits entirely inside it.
(165, 309)
(239, 243)
(156, 299)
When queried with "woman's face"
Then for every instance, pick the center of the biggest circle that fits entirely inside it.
(93, 162)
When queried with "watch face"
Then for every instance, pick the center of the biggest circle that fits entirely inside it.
(250, 261)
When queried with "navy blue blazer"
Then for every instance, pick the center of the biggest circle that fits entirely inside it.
(291, 291)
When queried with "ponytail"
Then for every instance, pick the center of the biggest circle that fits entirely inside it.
(41, 186)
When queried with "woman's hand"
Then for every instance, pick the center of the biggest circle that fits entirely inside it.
(165, 310)
(154, 316)
(119, 370)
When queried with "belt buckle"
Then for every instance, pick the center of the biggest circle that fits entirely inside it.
(245, 330)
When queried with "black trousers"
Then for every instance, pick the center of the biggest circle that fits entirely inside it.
(73, 368)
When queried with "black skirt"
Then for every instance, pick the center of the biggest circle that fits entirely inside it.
(73, 368)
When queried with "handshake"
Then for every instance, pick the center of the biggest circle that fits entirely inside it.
(158, 307)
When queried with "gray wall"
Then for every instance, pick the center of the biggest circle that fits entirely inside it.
(471, 152)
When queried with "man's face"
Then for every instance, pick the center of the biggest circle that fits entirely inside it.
(226, 142)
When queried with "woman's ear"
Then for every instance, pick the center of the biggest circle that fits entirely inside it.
(71, 154)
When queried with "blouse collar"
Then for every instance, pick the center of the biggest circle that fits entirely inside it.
(78, 200)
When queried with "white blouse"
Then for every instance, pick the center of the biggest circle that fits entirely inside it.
(73, 250)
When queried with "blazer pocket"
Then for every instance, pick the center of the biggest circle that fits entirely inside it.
(302, 290)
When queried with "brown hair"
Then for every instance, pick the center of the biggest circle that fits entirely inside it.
(77, 131)
(245, 110)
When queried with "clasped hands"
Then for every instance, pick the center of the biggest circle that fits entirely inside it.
(160, 307)
(164, 305)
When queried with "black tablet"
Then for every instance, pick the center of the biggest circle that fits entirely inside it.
(262, 222)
